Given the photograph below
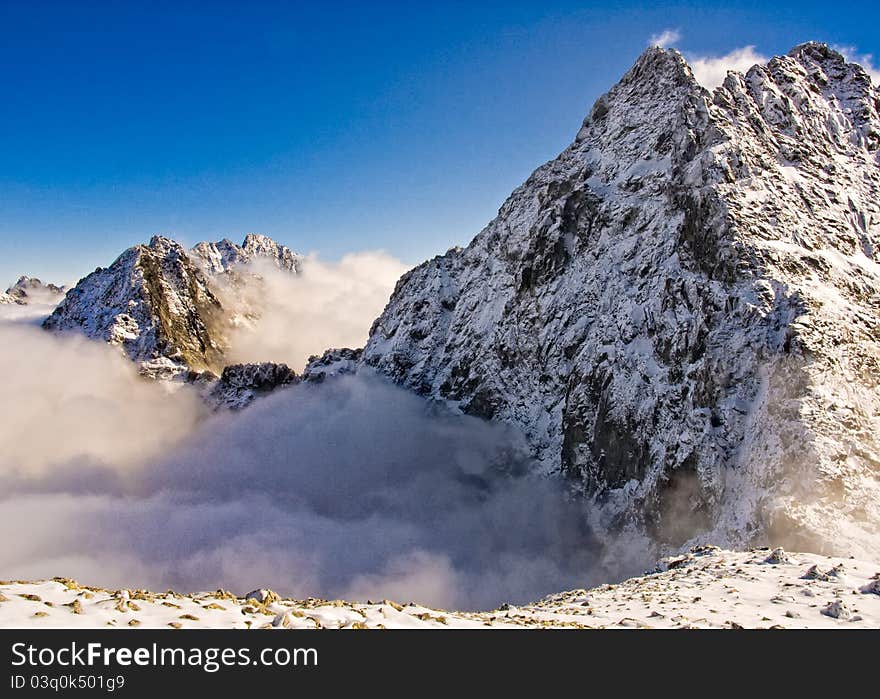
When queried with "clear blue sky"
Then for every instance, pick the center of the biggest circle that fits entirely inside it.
(333, 127)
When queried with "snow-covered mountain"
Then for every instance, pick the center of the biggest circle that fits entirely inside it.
(155, 303)
(224, 255)
(681, 310)
(28, 289)
(163, 305)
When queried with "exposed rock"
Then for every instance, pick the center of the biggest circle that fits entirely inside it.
(333, 362)
(241, 384)
(813, 573)
(28, 289)
(837, 610)
(224, 255)
(872, 588)
(777, 556)
(164, 306)
(262, 596)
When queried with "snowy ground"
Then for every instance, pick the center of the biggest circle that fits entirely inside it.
(706, 588)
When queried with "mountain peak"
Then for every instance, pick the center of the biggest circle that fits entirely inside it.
(155, 303)
(163, 244)
(818, 51)
(258, 239)
(28, 289)
(666, 304)
(659, 62)
(222, 256)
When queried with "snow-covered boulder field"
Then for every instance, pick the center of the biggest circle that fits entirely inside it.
(707, 587)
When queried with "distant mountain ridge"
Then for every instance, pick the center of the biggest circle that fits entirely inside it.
(224, 255)
(28, 289)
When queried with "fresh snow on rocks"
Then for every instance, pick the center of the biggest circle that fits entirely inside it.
(705, 588)
(241, 384)
(334, 362)
(224, 256)
(155, 304)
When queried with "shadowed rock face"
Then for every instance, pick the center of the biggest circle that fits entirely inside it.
(334, 362)
(669, 308)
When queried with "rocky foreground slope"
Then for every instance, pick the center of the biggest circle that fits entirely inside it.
(681, 311)
(706, 588)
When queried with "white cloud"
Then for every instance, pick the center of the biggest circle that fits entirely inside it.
(865, 60)
(665, 38)
(69, 399)
(329, 304)
(710, 71)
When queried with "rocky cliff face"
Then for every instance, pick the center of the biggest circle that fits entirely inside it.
(333, 362)
(681, 310)
(241, 384)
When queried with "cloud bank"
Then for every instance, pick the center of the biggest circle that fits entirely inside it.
(326, 305)
(352, 488)
(67, 399)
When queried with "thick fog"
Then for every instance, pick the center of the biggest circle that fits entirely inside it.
(352, 488)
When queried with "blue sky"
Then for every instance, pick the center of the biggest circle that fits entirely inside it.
(333, 127)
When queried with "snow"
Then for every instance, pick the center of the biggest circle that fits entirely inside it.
(153, 303)
(31, 291)
(225, 256)
(707, 587)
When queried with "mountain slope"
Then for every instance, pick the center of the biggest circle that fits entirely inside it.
(224, 255)
(680, 310)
